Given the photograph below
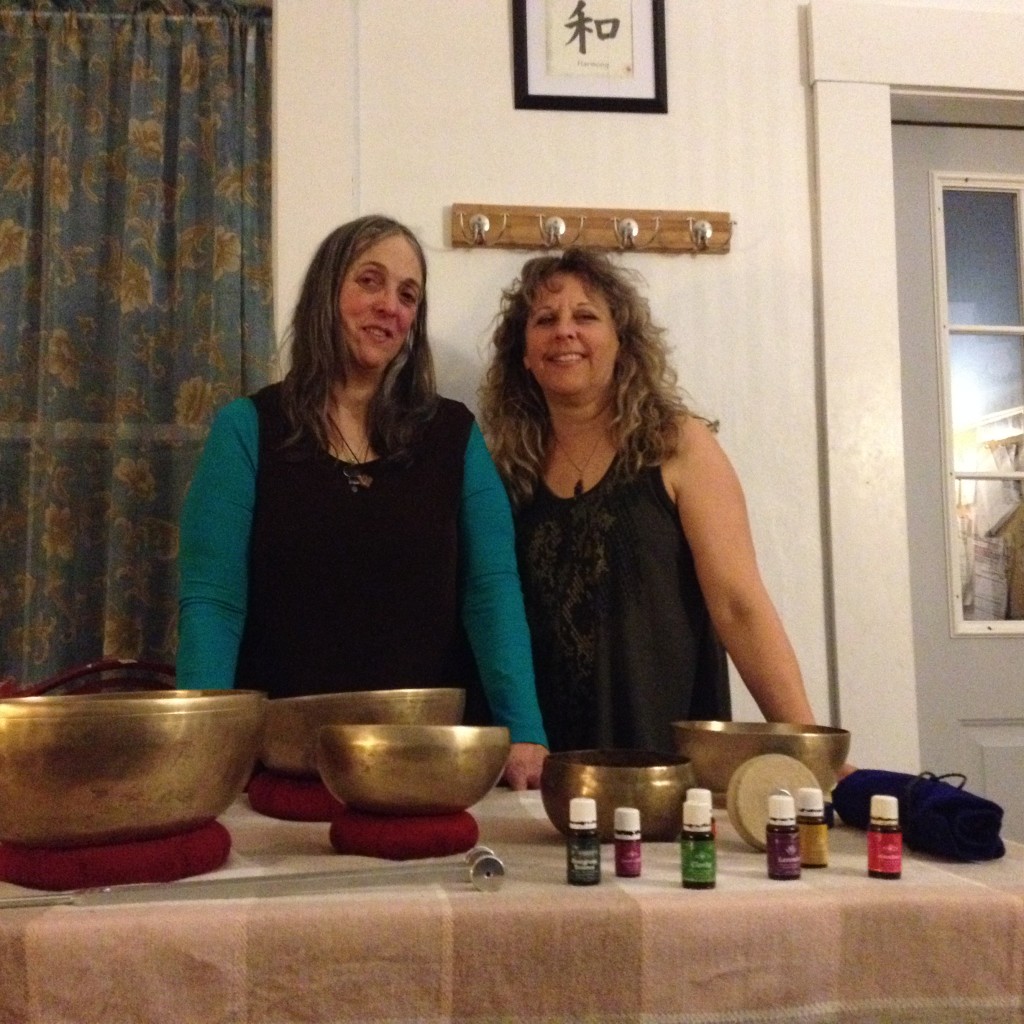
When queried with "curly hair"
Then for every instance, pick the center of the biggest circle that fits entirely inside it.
(407, 396)
(646, 398)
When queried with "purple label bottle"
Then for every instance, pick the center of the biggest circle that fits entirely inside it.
(628, 847)
(782, 838)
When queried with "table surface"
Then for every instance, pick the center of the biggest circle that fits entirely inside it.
(400, 942)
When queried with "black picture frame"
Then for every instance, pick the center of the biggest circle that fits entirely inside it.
(645, 91)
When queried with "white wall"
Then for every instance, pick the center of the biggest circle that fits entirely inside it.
(405, 106)
(430, 121)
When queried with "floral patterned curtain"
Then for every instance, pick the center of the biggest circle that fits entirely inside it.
(135, 299)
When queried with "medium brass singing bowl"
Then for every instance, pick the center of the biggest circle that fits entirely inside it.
(411, 769)
(717, 749)
(111, 767)
(654, 783)
(293, 723)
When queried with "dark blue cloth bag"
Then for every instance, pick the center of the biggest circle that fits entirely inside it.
(936, 816)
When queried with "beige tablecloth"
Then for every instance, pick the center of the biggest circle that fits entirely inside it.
(943, 944)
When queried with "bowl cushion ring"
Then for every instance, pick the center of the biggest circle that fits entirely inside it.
(166, 859)
(404, 837)
(291, 798)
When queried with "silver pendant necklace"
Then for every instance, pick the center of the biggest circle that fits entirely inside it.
(580, 470)
(356, 478)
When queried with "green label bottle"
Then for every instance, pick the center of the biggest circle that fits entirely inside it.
(583, 848)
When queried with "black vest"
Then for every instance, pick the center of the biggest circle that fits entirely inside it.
(355, 590)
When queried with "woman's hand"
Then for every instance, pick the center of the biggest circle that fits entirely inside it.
(522, 769)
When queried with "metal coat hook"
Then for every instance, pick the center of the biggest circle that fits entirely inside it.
(552, 229)
(479, 225)
(627, 231)
(701, 232)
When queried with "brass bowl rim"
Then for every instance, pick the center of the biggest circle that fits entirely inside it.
(310, 698)
(395, 729)
(69, 706)
(757, 728)
(607, 758)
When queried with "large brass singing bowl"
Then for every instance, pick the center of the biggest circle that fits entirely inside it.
(717, 749)
(411, 769)
(293, 723)
(653, 783)
(111, 767)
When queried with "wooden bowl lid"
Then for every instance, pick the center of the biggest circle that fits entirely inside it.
(751, 785)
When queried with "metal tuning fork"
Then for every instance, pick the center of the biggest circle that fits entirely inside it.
(481, 867)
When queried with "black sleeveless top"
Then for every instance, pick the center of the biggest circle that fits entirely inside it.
(355, 590)
(622, 640)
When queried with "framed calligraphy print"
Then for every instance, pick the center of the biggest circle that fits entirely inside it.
(590, 55)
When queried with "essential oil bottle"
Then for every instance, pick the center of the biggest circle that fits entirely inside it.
(697, 847)
(885, 838)
(583, 847)
(810, 820)
(628, 845)
(782, 838)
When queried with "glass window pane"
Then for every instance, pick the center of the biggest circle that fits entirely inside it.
(986, 377)
(982, 270)
(990, 519)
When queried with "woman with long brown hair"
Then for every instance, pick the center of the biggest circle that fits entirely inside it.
(346, 528)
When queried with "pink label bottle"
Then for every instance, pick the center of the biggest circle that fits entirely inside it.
(885, 838)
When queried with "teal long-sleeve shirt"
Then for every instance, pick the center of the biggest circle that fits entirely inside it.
(216, 524)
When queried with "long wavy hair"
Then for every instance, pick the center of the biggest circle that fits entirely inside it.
(646, 397)
(407, 396)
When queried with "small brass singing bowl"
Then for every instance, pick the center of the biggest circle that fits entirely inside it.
(293, 723)
(654, 783)
(717, 749)
(84, 769)
(411, 769)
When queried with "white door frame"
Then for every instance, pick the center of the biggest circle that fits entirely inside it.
(859, 54)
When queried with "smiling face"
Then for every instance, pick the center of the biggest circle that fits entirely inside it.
(378, 300)
(571, 343)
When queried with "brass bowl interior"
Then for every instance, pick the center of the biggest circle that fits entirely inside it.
(654, 783)
(411, 769)
(294, 723)
(718, 748)
(99, 768)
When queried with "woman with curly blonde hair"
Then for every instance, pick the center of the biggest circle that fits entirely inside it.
(634, 546)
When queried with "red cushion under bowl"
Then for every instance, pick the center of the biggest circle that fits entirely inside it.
(290, 798)
(404, 838)
(166, 859)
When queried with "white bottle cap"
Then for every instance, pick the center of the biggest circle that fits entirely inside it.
(809, 801)
(781, 809)
(627, 823)
(582, 812)
(699, 796)
(696, 814)
(885, 809)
